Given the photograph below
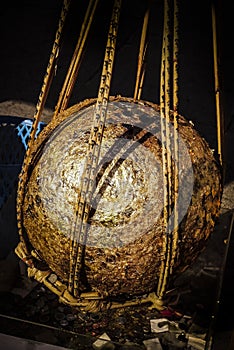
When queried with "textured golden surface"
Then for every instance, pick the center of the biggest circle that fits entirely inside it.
(124, 239)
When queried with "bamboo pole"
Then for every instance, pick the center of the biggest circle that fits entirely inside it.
(169, 149)
(72, 73)
(141, 56)
(164, 97)
(79, 230)
(175, 237)
(142, 77)
(218, 97)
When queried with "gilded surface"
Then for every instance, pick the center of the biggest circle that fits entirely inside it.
(124, 238)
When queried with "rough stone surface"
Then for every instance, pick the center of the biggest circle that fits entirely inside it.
(124, 245)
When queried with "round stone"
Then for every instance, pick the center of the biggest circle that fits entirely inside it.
(125, 234)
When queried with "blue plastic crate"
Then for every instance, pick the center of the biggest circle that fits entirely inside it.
(14, 133)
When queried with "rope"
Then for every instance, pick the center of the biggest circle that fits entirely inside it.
(72, 73)
(39, 107)
(79, 230)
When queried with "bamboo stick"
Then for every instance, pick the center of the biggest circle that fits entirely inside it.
(141, 56)
(219, 106)
(72, 73)
(175, 237)
(79, 231)
(163, 111)
(170, 243)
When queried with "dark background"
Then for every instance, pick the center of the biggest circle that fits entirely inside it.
(27, 31)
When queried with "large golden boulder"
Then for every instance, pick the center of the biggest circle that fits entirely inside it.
(124, 243)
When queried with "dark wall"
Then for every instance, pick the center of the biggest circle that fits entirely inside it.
(27, 31)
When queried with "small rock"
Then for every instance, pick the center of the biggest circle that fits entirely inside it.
(159, 325)
(103, 342)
